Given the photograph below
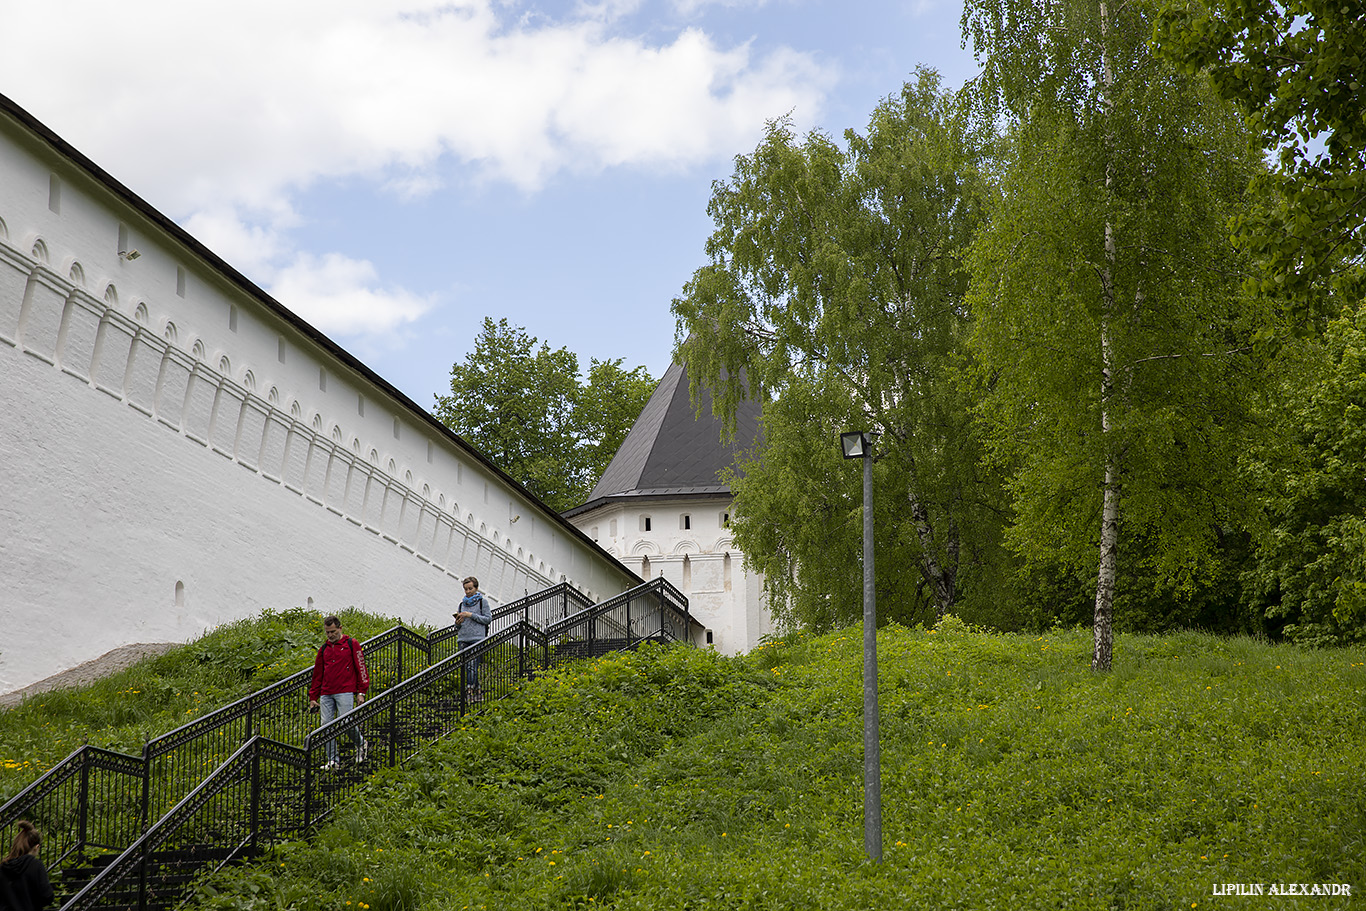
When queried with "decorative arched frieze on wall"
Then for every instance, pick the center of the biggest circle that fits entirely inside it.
(723, 544)
(644, 547)
(686, 547)
(193, 394)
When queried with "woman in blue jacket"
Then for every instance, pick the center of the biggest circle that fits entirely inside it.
(473, 619)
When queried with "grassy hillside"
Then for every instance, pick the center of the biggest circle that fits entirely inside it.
(123, 710)
(1012, 778)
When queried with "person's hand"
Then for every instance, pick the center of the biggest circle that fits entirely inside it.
(312, 705)
(360, 697)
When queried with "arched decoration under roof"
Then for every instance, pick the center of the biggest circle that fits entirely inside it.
(111, 296)
(644, 547)
(197, 350)
(140, 313)
(76, 274)
(426, 488)
(273, 396)
(296, 411)
(355, 445)
(39, 250)
(170, 333)
(687, 547)
(249, 381)
(225, 366)
(336, 430)
(374, 456)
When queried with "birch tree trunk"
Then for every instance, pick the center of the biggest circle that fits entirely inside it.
(1102, 625)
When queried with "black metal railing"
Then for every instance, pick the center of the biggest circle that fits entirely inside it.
(96, 804)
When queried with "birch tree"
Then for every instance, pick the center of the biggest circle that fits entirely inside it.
(1108, 313)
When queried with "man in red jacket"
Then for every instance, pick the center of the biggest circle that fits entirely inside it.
(340, 682)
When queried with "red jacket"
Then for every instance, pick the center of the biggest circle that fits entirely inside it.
(339, 668)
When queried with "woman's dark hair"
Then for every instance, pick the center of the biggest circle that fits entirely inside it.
(27, 839)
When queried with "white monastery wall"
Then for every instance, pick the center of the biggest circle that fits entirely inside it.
(176, 453)
(688, 542)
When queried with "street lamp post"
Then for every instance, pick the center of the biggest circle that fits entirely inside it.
(858, 444)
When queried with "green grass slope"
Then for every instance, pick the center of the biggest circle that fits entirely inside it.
(124, 710)
(1013, 777)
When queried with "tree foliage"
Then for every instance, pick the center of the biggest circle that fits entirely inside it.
(1107, 312)
(835, 290)
(1297, 68)
(1310, 573)
(526, 407)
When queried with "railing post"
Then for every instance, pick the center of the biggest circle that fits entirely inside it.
(83, 834)
(255, 799)
(393, 732)
(401, 678)
(146, 787)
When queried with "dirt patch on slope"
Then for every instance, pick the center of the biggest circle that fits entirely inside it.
(83, 674)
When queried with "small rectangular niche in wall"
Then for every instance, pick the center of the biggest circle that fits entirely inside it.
(396, 428)
(280, 350)
(180, 281)
(360, 405)
(430, 449)
(54, 194)
(232, 317)
(322, 378)
(612, 528)
(123, 240)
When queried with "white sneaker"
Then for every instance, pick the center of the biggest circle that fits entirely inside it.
(330, 766)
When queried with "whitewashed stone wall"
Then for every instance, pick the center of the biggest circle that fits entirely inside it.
(688, 542)
(176, 452)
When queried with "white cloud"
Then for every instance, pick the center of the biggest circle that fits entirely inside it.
(340, 295)
(221, 112)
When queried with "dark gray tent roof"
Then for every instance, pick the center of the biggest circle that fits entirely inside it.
(671, 451)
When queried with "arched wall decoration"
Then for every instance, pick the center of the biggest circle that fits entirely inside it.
(687, 547)
(723, 544)
(374, 456)
(76, 274)
(170, 333)
(644, 547)
(273, 397)
(4, 231)
(249, 381)
(39, 250)
(355, 446)
(140, 314)
(225, 366)
(197, 352)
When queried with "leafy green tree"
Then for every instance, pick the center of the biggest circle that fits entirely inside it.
(1106, 298)
(1297, 69)
(1310, 573)
(526, 408)
(835, 290)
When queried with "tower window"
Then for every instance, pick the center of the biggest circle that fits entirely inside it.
(685, 522)
(644, 523)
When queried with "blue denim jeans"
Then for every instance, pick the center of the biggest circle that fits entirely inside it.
(472, 667)
(333, 707)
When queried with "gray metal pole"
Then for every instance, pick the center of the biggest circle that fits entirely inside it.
(872, 758)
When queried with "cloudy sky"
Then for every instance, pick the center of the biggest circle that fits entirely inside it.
(395, 170)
